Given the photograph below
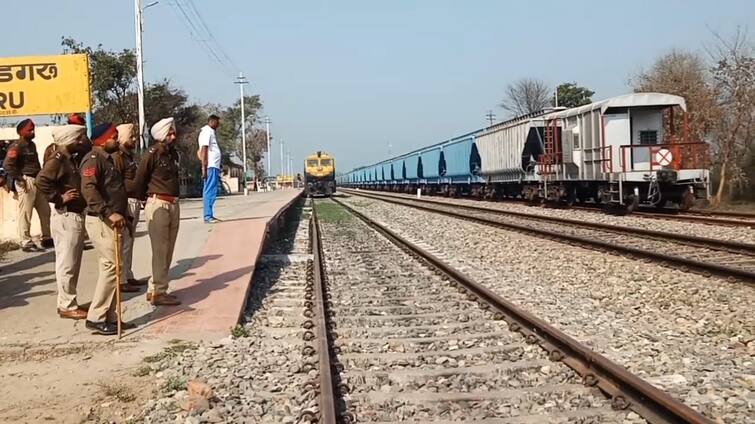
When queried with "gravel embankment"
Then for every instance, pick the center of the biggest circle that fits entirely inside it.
(414, 349)
(740, 234)
(690, 335)
(258, 377)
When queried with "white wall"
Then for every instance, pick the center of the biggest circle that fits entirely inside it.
(645, 120)
(9, 206)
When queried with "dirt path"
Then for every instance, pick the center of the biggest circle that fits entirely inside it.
(75, 383)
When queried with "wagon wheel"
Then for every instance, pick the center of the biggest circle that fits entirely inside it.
(688, 198)
(570, 197)
(630, 204)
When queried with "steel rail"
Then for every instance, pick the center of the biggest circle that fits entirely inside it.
(327, 394)
(746, 215)
(734, 219)
(625, 389)
(705, 267)
(697, 217)
(700, 241)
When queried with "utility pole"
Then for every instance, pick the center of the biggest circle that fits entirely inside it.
(139, 71)
(389, 149)
(491, 117)
(282, 143)
(269, 152)
(138, 22)
(241, 81)
(556, 96)
(288, 162)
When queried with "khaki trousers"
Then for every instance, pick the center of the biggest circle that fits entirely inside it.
(103, 299)
(163, 219)
(28, 200)
(134, 209)
(68, 233)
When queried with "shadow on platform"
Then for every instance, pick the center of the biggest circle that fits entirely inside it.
(16, 286)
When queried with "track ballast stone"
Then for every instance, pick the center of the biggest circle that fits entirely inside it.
(413, 348)
(689, 335)
(259, 377)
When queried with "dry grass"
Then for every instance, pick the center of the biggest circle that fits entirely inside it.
(118, 391)
(8, 246)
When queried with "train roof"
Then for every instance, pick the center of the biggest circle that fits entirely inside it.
(422, 149)
(319, 153)
(627, 100)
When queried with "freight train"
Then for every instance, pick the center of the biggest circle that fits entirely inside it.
(622, 152)
(320, 174)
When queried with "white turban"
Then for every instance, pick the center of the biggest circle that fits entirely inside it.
(125, 132)
(68, 134)
(161, 129)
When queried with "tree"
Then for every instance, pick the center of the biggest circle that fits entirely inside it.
(229, 132)
(684, 74)
(526, 96)
(571, 95)
(720, 104)
(734, 79)
(162, 100)
(112, 76)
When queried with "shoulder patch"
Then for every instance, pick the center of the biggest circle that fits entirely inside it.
(13, 153)
(89, 171)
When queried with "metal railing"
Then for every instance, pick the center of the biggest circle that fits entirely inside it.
(675, 156)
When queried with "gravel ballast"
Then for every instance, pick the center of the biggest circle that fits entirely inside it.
(690, 335)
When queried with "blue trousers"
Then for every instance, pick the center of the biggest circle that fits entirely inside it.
(210, 192)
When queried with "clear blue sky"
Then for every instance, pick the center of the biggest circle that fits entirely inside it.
(351, 76)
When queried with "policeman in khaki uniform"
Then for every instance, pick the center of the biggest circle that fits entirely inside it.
(157, 176)
(22, 164)
(107, 203)
(126, 165)
(60, 181)
(73, 119)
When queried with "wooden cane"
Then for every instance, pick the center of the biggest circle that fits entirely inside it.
(119, 311)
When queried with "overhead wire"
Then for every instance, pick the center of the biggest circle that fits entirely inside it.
(212, 38)
(200, 34)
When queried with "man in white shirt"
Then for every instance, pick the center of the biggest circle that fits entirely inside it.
(209, 154)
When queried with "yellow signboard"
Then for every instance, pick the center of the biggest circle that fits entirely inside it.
(44, 85)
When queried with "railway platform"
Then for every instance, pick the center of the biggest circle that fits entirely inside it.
(211, 274)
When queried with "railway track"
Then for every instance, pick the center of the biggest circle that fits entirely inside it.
(726, 219)
(403, 337)
(710, 218)
(730, 259)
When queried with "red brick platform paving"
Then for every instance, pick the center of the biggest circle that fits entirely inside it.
(214, 294)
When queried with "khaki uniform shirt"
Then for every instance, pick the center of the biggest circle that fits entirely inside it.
(22, 159)
(59, 174)
(102, 185)
(158, 171)
(126, 165)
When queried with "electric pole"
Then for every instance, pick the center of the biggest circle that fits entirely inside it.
(139, 71)
(138, 22)
(241, 81)
(491, 117)
(288, 162)
(269, 152)
(556, 102)
(282, 170)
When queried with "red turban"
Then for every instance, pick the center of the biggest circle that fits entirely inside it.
(75, 119)
(102, 133)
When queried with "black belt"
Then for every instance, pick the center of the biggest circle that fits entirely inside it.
(124, 215)
(65, 209)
